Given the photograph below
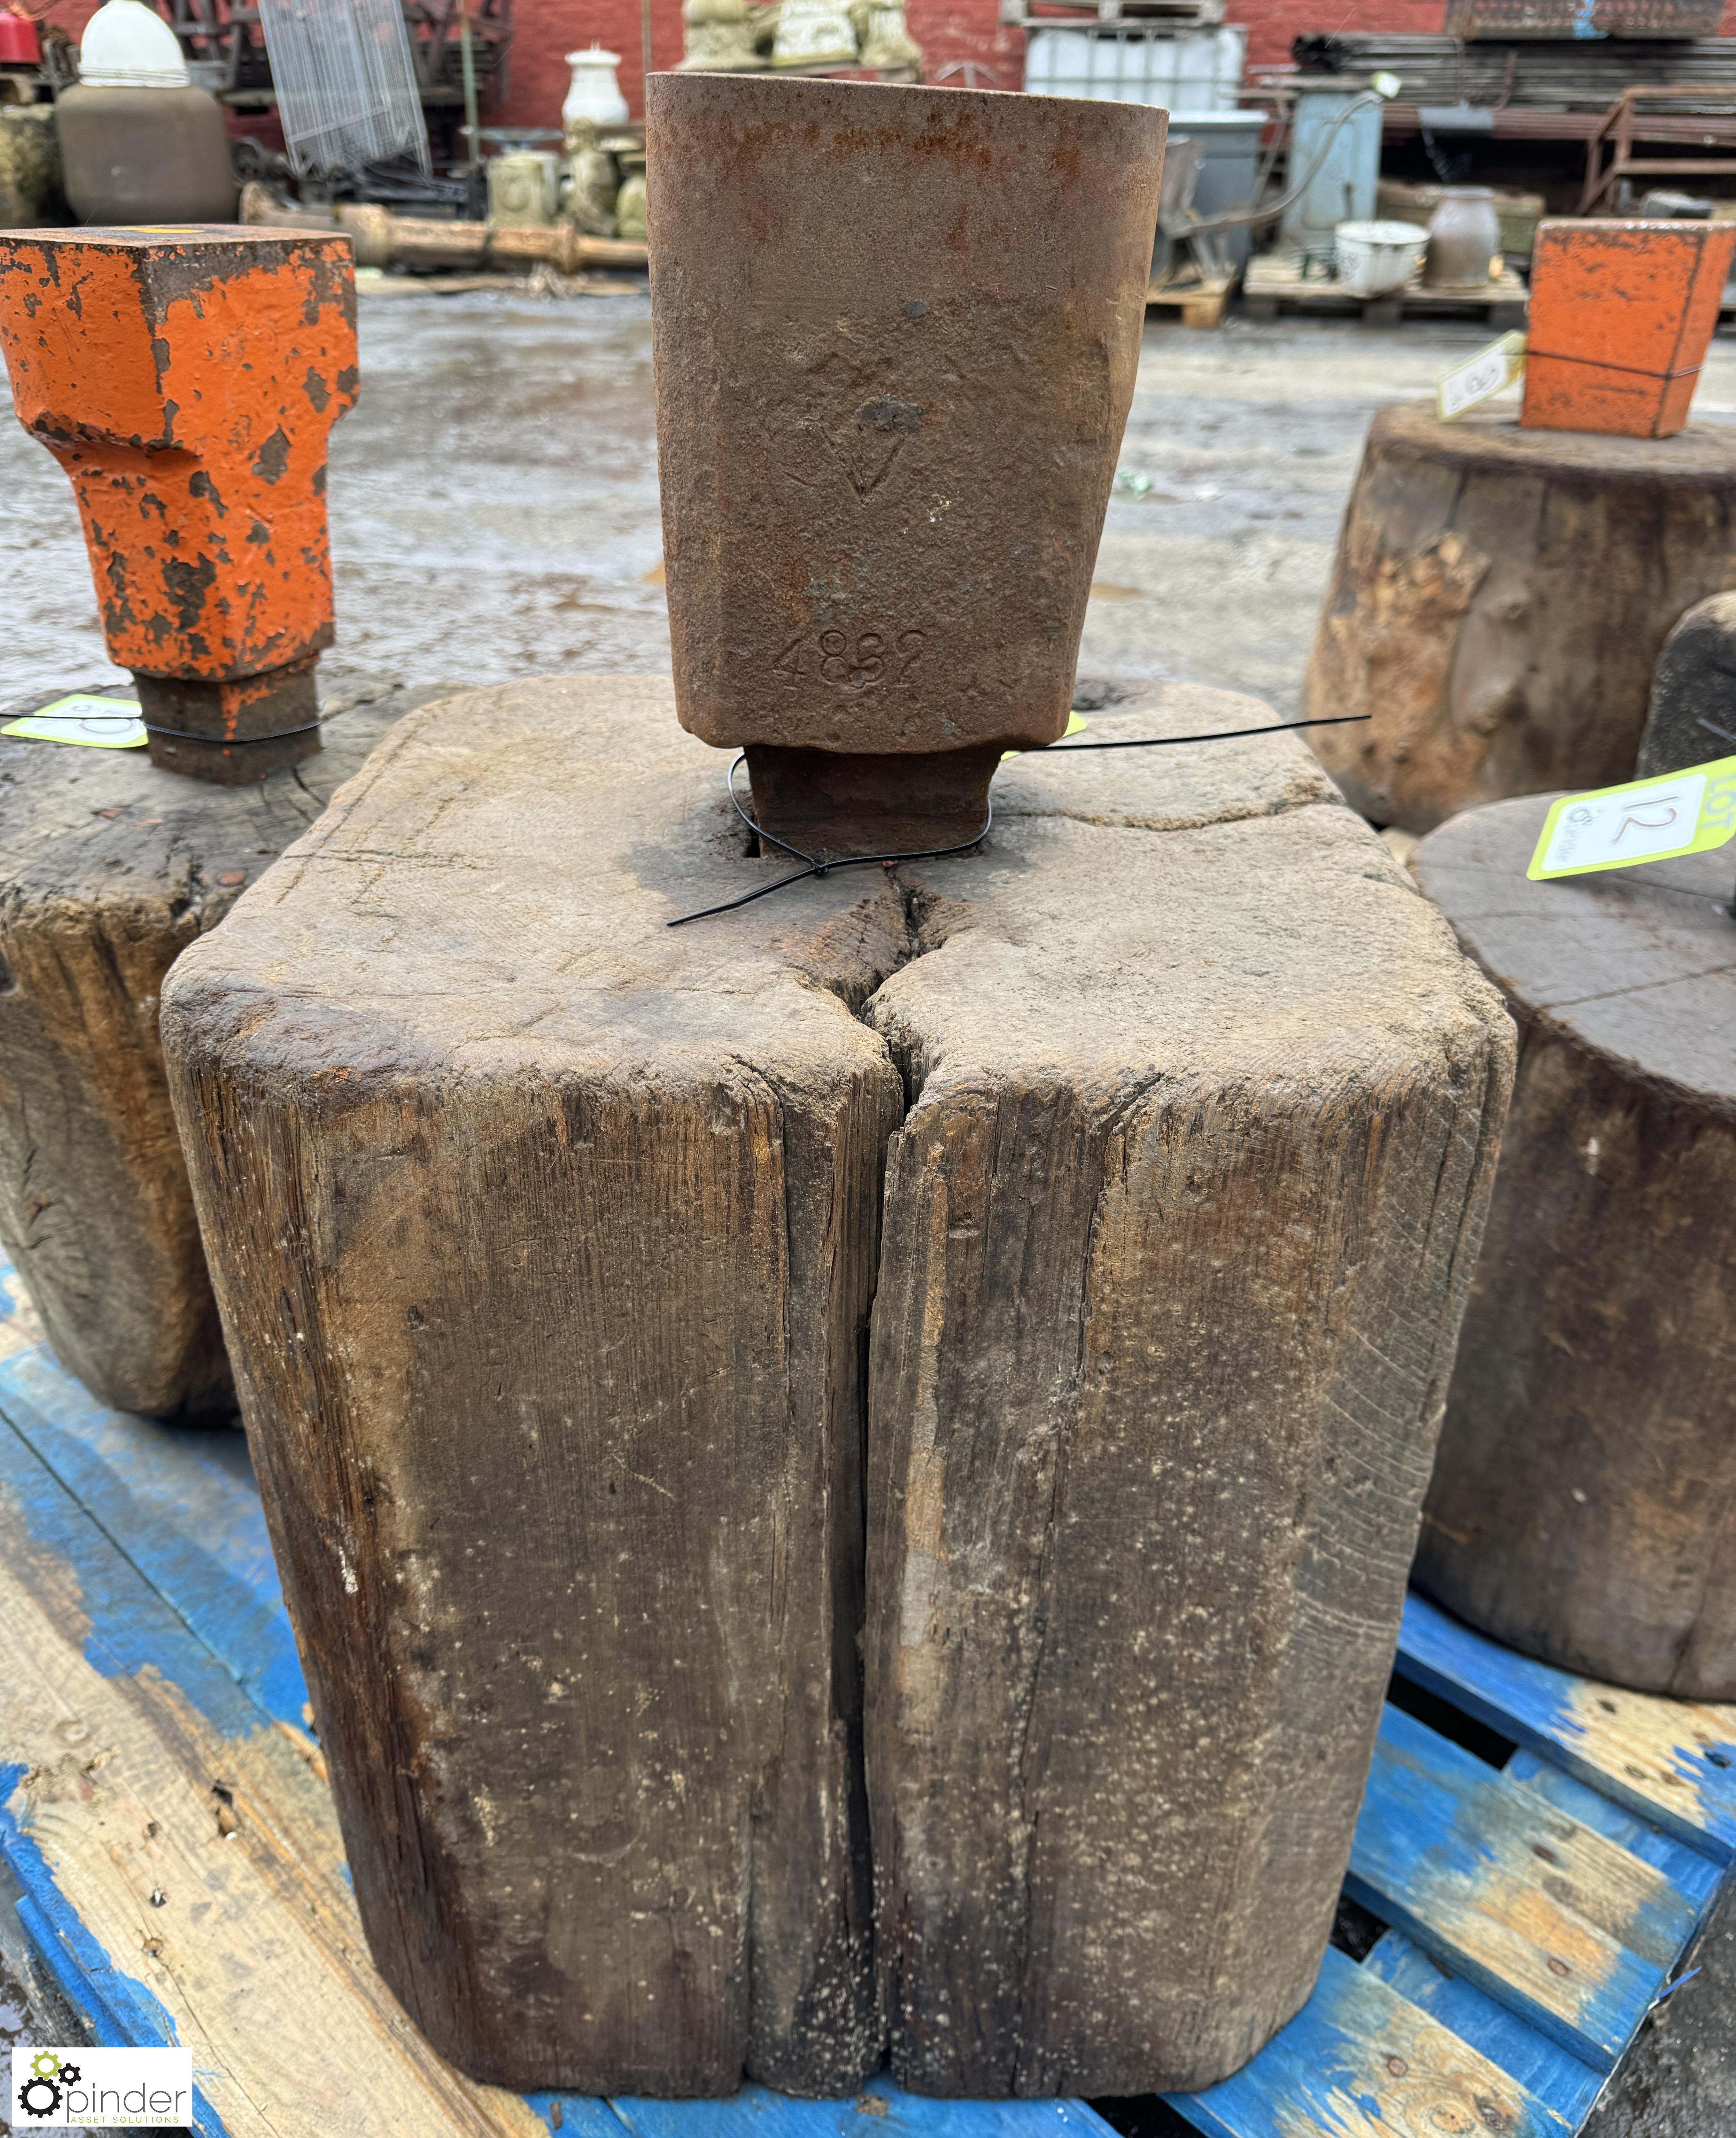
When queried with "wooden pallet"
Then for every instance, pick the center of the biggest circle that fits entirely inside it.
(1201, 301)
(148, 1681)
(1289, 281)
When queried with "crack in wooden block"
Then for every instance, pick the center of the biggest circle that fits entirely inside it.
(599, 1408)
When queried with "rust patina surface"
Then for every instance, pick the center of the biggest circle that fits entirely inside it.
(895, 333)
(187, 381)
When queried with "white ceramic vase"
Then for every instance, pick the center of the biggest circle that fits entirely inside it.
(594, 93)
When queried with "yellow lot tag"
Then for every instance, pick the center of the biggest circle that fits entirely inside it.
(1646, 820)
(1490, 371)
(1075, 721)
(94, 723)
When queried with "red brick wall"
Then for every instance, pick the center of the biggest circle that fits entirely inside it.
(1273, 23)
(545, 29)
(947, 29)
(952, 31)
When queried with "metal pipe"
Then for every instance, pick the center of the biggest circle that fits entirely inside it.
(1233, 218)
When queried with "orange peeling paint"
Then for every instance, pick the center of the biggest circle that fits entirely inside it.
(187, 382)
(1621, 314)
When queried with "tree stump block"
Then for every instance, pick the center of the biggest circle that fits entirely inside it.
(1498, 604)
(112, 866)
(1692, 718)
(1580, 1506)
(546, 1238)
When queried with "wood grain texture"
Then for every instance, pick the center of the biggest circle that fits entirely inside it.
(1692, 1872)
(1203, 1107)
(123, 1739)
(1468, 1854)
(554, 1372)
(1692, 715)
(545, 1241)
(1671, 1762)
(172, 1504)
(112, 866)
(1549, 1918)
(184, 1507)
(1363, 2062)
(1582, 1505)
(1498, 601)
(1545, 2070)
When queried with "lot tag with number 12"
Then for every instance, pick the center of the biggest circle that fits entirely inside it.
(1490, 371)
(1643, 820)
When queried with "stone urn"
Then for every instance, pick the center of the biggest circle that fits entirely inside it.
(814, 33)
(1464, 236)
(522, 190)
(887, 42)
(593, 92)
(630, 200)
(718, 37)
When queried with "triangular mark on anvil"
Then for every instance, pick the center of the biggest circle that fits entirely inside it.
(867, 449)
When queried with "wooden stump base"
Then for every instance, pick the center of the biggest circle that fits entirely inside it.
(1580, 1506)
(659, 1519)
(112, 867)
(1498, 604)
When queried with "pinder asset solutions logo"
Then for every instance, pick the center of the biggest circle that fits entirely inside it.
(126, 2089)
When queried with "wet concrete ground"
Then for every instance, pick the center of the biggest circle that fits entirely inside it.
(494, 499)
(495, 515)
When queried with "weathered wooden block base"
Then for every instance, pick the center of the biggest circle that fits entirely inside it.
(1578, 1511)
(1202, 1111)
(547, 1239)
(1499, 600)
(112, 866)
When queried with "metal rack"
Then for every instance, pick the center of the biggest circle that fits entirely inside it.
(226, 33)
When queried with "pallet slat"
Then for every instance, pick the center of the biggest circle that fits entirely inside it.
(165, 1605)
(1360, 2060)
(186, 1510)
(1670, 1761)
(118, 1722)
(1276, 279)
(1200, 300)
(1558, 2078)
(879, 2111)
(1547, 1918)
(1693, 1873)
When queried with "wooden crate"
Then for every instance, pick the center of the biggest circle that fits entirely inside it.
(1275, 281)
(151, 1697)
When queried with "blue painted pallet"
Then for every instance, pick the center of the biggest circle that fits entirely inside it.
(1537, 1910)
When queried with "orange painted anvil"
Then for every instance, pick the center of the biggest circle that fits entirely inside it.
(187, 379)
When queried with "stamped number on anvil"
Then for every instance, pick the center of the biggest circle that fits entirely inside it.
(849, 661)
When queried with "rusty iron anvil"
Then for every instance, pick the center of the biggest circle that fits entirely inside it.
(188, 379)
(894, 333)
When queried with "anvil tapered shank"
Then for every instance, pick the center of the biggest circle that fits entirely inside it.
(187, 382)
(896, 333)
